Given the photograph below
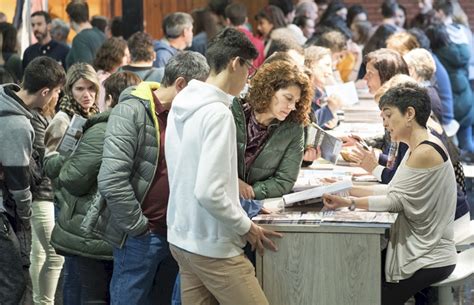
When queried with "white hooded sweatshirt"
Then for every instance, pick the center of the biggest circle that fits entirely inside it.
(204, 213)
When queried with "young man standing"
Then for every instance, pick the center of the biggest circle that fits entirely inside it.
(46, 46)
(88, 39)
(178, 31)
(42, 82)
(207, 227)
(133, 180)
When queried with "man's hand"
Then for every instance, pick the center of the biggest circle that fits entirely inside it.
(246, 190)
(259, 238)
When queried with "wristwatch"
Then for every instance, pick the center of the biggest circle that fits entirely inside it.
(352, 207)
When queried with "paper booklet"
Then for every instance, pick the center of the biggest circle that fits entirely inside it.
(330, 145)
(72, 136)
(341, 216)
(303, 197)
(346, 91)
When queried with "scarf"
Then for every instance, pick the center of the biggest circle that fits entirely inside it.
(71, 107)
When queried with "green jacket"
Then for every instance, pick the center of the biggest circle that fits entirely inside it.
(129, 163)
(276, 168)
(77, 190)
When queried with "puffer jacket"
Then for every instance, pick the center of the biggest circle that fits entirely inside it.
(275, 170)
(455, 58)
(77, 190)
(129, 163)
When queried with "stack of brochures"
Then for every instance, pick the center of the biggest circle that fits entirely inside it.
(342, 216)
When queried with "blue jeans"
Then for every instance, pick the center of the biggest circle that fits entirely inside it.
(135, 267)
(71, 281)
(176, 298)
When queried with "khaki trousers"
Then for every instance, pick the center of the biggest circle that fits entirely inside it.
(212, 281)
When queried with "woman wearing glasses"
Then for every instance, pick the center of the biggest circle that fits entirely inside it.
(269, 122)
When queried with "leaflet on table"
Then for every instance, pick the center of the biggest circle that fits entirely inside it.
(316, 192)
(345, 216)
(346, 91)
(72, 136)
(329, 145)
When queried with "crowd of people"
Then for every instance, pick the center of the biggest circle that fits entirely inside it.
(184, 137)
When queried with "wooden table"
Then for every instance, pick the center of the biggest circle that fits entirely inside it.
(327, 264)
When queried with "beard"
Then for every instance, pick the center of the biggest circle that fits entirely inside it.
(40, 36)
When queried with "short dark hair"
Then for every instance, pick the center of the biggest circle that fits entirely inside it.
(187, 64)
(388, 63)
(285, 5)
(218, 6)
(226, 45)
(43, 72)
(446, 6)
(407, 95)
(116, 26)
(420, 37)
(46, 16)
(438, 36)
(110, 54)
(174, 24)
(119, 81)
(389, 8)
(237, 13)
(140, 46)
(78, 11)
(99, 22)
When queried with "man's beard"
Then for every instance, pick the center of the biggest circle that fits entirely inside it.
(40, 36)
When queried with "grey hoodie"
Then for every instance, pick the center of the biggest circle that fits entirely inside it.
(16, 144)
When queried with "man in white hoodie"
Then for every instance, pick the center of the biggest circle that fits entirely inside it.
(207, 227)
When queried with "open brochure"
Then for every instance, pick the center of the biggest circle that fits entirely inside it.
(330, 145)
(346, 91)
(72, 136)
(342, 216)
(309, 178)
(316, 192)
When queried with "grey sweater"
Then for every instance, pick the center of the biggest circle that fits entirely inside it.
(422, 236)
(16, 144)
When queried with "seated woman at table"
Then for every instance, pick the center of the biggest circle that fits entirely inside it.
(269, 122)
(421, 249)
(319, 61)
(381, 66)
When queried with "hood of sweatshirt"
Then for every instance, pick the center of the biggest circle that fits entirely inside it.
(10, 106)
(196, 95)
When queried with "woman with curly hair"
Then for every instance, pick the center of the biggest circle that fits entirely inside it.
(270, 121)
(112, 55)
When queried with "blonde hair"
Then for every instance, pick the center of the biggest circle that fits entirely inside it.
(421, 64)
(314, 54)
(395, 80)
(402, 42)
(81, 71)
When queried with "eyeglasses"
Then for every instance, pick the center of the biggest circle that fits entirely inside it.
(252, 69)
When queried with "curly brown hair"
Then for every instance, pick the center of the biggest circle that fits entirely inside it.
(277, 75)
(110, 54)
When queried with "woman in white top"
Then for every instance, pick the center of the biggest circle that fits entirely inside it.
(423, 192)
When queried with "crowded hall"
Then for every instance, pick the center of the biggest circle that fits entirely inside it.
(237, 152)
